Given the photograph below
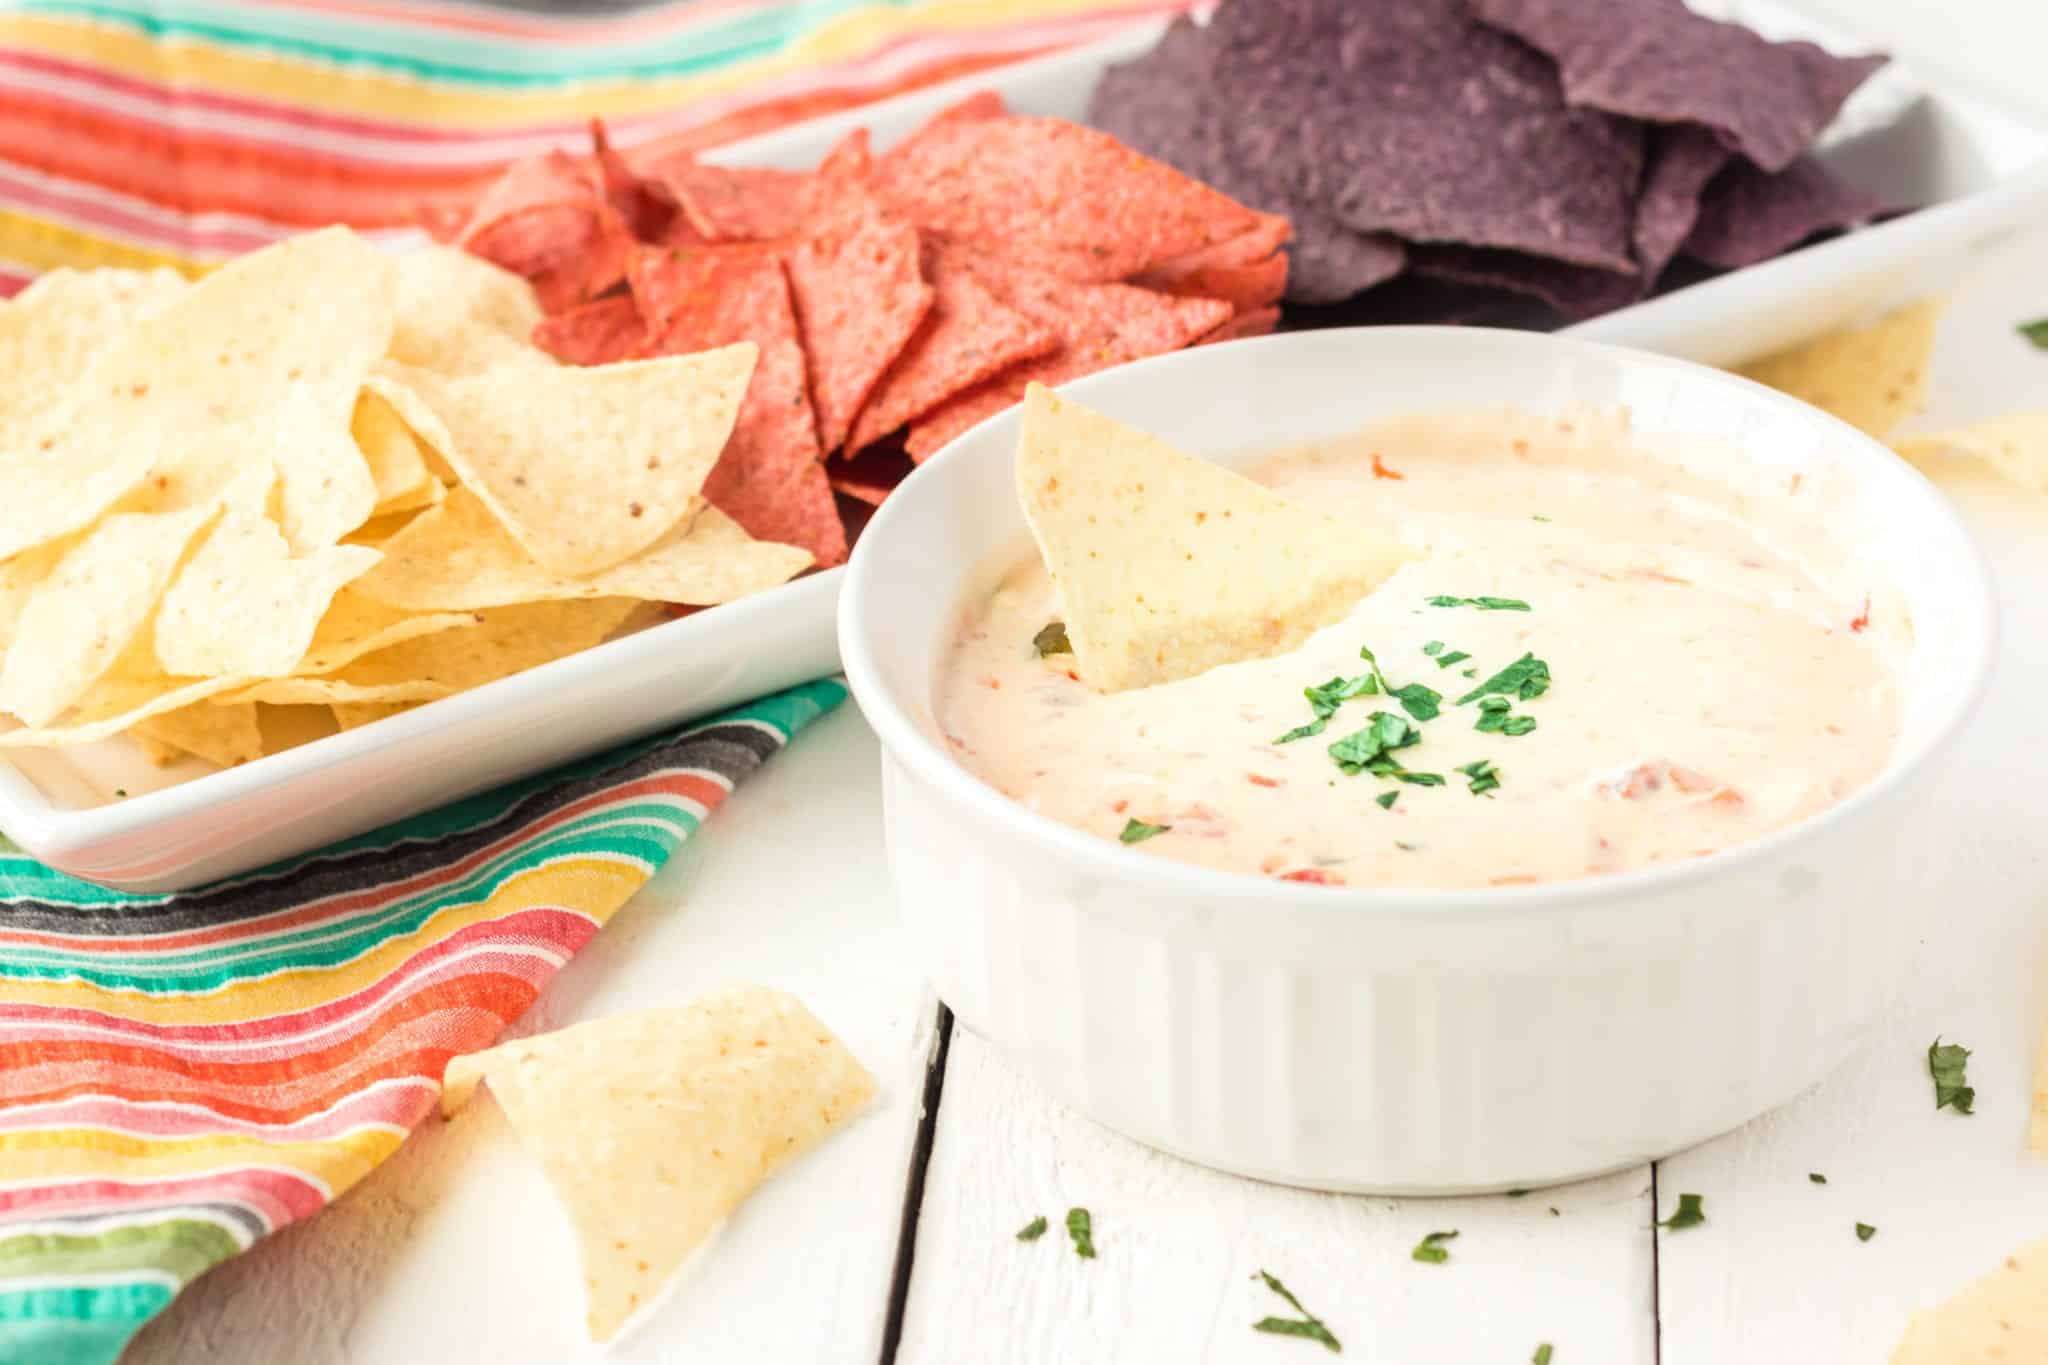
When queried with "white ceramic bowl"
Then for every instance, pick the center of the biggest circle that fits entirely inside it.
(1406, 1041)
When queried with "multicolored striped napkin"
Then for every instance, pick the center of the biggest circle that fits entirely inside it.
(183, 1074)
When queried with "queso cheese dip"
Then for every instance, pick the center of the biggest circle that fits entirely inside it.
(1598, 661)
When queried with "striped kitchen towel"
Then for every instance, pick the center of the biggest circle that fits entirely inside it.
(183, 1074)
(179, 132)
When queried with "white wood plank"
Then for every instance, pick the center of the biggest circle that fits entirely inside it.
(1778, 1275)
(454, 1251)
(1178, 1246)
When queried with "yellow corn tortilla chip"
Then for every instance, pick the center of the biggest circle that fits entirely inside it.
(63, 321)
(505, 641)
(397, 468)
(2016, 446)
(460, 315)
(653, 1127)
(19, 579)
(80, 619)
(588, 466)
(118, 702)
(356, 625)
(1168, 566)
(2001, 1319)
(458, 556)
(350, 715)
(287, 727)
(327, 691)
(243, 605)
(294, 327)
(1871, 377)
(430, 435)
(223, 735)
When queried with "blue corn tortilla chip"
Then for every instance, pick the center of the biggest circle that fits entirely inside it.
(1749, 214)
(1574, 292)
(1163, 104)
(1683, 160)
(1418, 122)
(1657, 60)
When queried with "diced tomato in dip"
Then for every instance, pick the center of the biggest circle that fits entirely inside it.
(1701, 683)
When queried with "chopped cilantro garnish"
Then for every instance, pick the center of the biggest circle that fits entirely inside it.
(1308, 1325)
(1483, 603)
(1456, 656)
(1527, 677)
(1485, 777)
(1387, 799)
(2036, 332)
(1418, 701)
(1137, 831)
(1413, 779)
(1384, 733)
(1816, 1177)
(1434, 647)
(1082, 1229)
(1468, 672)
(1864, 1232)
(1325, 698)
(1517, 725)
(1946, 1064)
(1032, 1230)
(1496, 704)
(1314, 727)
(1052, 640)
(1542, 1356)
(1691, 1213)
(1431, 1249)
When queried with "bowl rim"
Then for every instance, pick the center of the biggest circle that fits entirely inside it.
(906, 742)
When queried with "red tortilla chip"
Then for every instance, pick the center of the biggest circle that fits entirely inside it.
(859, 299)
(871, 476)
(595, 334)
(770, 478)
(1256, 323)
(1053, 196)
(968, 335)
(539, 214)
(737, 203)
(1268, 233)
(642, 201)
(850, 162)
(1247, 288)
(1100, 325)
(600, 264)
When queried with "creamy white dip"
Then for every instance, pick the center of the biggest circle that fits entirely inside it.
(1711, 679)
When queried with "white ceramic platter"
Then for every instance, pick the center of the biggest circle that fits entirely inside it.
(1972, 164)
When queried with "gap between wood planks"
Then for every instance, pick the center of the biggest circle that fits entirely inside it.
(913, 1187)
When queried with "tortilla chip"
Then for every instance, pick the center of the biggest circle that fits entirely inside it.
(1749, 215)
(288, 727)
(589, 466)
(222, 734)
(771, 478)
(457, 557)
(1683, 161)
(2001, 1319)
(596, 333)
(81, 618)
(19, 579)
(244, 606)
(1253, 324)
(398, 470)
(642, 201)
(1246, 288)
(535, 216)
(506, 640)
(1268, 233)
(1574, 291)
(653, 1127)
(2015, 445)
(1658, 60)
(872, 475)
(290, 329)
(458, 315)
(119, 701)
(1099, 326)
(1871, 377)
(737, 203)
(1168, 566)
(329, 691)
(968, 335)
(859, 297)
(357, 624)
(354, 715)
(61, 322)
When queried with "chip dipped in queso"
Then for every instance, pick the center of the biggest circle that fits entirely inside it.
(1573, 658)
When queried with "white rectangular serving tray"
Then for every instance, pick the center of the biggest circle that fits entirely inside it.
(1977, 167)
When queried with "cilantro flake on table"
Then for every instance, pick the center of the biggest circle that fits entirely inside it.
(1308, 1326)
(2036, 332)
(1431, 1249)
(1816, 1177)
(1864, 1232)
(1081, 1228)
(1032, 1230)
(1692, 1211)
(1542, 1356)
(1946, 1064)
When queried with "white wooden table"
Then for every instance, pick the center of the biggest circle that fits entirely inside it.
(894, 1240)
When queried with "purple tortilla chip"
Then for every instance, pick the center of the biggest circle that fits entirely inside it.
(1414, 299)
(1657, 60)
(1163, 104)
(1576, 292)
(1749, 215)
(1411, 119)
(1682, 162)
